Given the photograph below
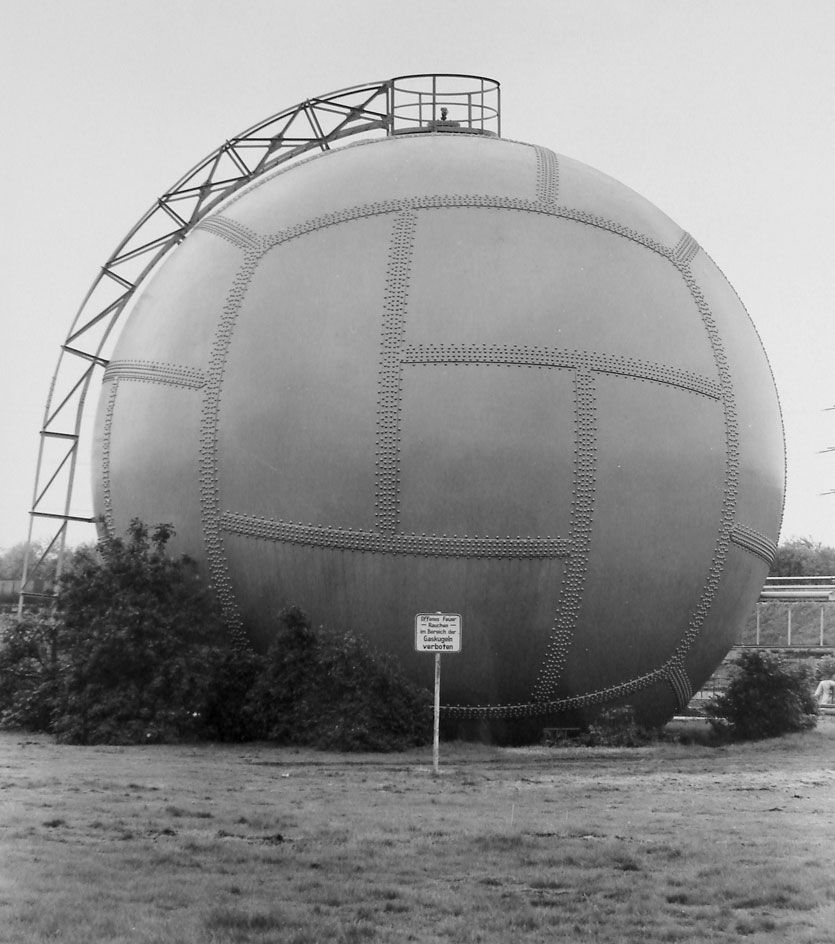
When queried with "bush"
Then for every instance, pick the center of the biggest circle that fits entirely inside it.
(825, 668)
(331, 690)
(28, 674)
(617, 727)
(229, 714)
(130, 655)
(137, 653)
(137, 636)
(766, 697)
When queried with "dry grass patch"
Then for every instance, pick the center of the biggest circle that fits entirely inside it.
(231, 845)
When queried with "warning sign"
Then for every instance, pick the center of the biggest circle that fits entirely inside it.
(438, 632)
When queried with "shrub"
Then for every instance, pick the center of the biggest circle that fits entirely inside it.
(333, 691)
(137, 652)
(617, 727)
(28, 675)
(825, 668)
(229, 714)
(136, 640)
(766, 697)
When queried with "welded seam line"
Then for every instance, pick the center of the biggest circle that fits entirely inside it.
(547, 176)
(174, 375)
(454, 201)
(375, 542)
(208, 457)
(680, 683)
(576, 567)
(755, 542)
(107, 433)
(685, 250)
(390, 374)
(232, 231)
(534, 356)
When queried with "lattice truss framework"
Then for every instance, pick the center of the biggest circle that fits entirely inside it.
(318, 123)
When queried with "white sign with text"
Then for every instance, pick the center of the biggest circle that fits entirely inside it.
(438, 632)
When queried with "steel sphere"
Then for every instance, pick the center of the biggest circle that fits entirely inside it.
(451, 372)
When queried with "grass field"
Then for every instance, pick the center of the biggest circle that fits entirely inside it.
(255, 844)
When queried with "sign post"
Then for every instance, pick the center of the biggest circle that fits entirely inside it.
(436, 728)
(438, 633)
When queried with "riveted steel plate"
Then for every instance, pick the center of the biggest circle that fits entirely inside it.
(463, 374)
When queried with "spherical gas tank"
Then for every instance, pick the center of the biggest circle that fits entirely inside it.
(451, 372)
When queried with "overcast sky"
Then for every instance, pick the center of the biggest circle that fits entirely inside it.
(719, 112)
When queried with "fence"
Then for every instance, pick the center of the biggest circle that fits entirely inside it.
(782, 623)
(792, 612)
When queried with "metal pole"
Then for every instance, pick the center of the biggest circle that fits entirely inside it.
(758, 624)
(437, 726)
(390, 107)
(821, 626)
(789, 626)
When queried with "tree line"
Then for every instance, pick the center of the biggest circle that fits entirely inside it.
(803, 557)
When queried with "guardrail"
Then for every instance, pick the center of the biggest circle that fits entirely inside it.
(793, 612)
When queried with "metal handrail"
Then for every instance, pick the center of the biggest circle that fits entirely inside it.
(466, 101)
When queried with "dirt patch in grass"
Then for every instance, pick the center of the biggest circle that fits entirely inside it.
(191, 845)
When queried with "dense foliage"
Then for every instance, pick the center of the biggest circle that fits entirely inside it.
(803, 557)
(766, 697)
(617, 726)
(41, 573)
(229, 713)
(334, 691)
(28, 673)
(136, 652)
(137, 636)
(11, 560)
(825, 668)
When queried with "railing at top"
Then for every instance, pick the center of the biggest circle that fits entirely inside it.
(426, 102)
(446, 103)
